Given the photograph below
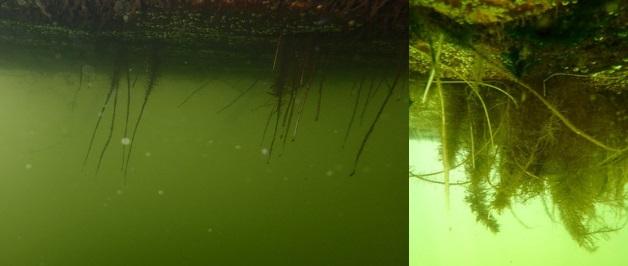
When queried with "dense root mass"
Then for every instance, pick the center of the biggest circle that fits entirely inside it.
(522, 128)
(531, 99)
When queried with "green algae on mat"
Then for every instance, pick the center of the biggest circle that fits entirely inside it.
(489, 11)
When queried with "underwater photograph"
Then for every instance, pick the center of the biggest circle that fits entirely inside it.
(518, 132)
(222, 132)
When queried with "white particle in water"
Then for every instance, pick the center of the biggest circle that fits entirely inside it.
(237, 147)
(147, 154)
(125, 141)
(28, 166)
(329, 173)
(209, 230)
(119, 191)
(160, 192)
(265, 151)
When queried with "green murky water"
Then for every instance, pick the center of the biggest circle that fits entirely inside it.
(200, 188)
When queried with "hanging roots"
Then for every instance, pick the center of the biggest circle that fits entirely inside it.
(568, 141)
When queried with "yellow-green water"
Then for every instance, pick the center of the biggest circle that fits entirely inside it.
(199, 189)
(441, 237)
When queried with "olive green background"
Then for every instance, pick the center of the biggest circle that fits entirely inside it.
(200, 190)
